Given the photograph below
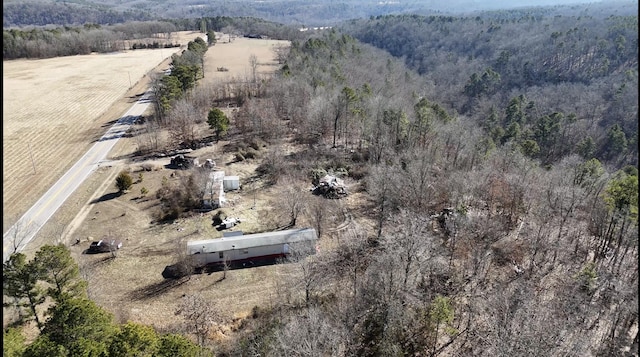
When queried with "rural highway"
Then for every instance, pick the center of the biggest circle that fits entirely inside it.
(25, 229)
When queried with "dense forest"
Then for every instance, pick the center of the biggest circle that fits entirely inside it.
(554, 84)
(498, 157)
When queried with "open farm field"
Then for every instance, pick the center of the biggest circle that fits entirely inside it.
(235, 56)
(54, 109)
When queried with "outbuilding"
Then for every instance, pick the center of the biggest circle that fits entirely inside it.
(252, 248)
(213, 196)
(215, 187)
(231, 183)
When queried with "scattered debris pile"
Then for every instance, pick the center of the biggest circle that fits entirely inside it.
(209, 164)
(229, 222)
(183, 162)
(330, 186)
(221, 220)
(445, 221)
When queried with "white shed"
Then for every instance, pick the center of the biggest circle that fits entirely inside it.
(231, 183)
(213, 196)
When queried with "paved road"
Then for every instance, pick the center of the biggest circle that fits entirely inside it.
(23, 231)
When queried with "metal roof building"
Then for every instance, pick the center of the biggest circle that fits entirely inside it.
(251, 241)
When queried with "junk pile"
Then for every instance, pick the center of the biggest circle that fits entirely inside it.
(330, 186)
(183, 162)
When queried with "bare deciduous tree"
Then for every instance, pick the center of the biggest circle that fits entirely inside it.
(183, 120)
(19, 233)
(281, 51)
(410, 241)
(380, 186)
(311, 333)
(149, 137)
(292, 201)
(318, 212)
(253, 63)
(200, 316)
(309, 273)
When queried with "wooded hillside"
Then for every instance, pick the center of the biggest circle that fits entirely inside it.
(552, 83)
(476, 249)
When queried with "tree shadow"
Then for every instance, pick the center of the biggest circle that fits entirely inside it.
(252, 263)
(157, 289)
(106, 197)
(99, 262)
(110, 123)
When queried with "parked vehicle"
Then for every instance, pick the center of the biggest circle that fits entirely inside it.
(104, 246)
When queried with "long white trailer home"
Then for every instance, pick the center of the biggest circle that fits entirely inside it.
(252, 248)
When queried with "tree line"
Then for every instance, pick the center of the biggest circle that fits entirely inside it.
(47, 42)
(69, 40)
(36, 13)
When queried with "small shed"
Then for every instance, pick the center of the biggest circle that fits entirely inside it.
(213, 196)
(231, 183)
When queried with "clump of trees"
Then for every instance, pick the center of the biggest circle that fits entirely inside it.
(75, 325)
(179, 197)
(218, 121)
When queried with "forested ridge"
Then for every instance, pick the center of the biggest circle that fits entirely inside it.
(41, 13)
(540, 78)
(67, 40)
(500, 216)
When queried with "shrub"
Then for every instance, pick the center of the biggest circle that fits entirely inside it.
(124, 182)
(251, 153)
(256, 144)
(358, 172)
(360, 156)
(272, 167)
